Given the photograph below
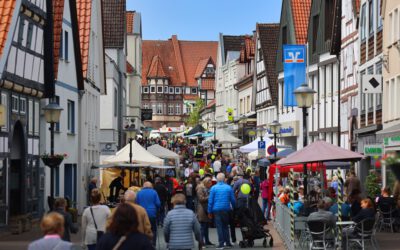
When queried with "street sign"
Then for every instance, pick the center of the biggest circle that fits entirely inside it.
(261, 144)
(372, 84)
(147, 114)
(373, 150)
(272, 150)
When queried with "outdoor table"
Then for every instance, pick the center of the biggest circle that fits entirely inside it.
(345, 223)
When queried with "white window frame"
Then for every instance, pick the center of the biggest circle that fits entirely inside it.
(15, 99)
(177, 90)
(22, 105)
(36, 119)
(4, 102)
(171, 90)
(178, 109)
(162, 89)
(195, 90)
(166, 89)
(30, 117)
(170, 109)
(151, 87)
(159, 108)
(146, 90)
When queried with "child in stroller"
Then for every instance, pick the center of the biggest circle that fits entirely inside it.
(251, 225)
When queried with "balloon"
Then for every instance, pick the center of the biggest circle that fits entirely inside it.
(248, 169)
(376, 157)
(212, 157)
(201, 171)
(245, 188)
(211, 170)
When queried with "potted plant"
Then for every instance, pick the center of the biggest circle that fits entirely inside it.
(393, 161)
(372, 184)
(53, 160)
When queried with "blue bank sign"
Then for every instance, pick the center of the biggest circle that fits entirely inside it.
(288, 129)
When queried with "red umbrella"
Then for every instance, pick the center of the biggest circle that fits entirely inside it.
(320, 151)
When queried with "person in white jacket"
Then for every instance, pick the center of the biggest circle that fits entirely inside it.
(94, 218)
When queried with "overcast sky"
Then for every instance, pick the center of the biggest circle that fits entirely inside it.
(203, 19)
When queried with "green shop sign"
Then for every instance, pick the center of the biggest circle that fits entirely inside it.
(373, 150)
(392, 141)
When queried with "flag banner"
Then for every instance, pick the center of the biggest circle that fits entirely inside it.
(294, 67)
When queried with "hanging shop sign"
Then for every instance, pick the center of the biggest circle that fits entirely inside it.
(373, 150)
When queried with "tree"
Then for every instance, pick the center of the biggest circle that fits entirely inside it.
(194, 116)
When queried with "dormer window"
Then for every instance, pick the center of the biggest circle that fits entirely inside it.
(145, 89)
(171, 90)
(152, 89)
(159, 89)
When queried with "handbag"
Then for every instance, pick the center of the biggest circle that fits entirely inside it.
(99, 233)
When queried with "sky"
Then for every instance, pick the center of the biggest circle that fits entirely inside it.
(203, 20)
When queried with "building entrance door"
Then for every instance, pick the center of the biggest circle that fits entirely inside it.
(17, 170)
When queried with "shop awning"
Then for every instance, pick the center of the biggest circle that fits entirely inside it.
(390, 131)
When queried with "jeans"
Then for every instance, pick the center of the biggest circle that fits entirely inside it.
(232, 225)
(91, 247)
(161, 216)
(153, 222)
(222, 222)
(204, 232)
(189, 203)
(242, 202)
(265, 208)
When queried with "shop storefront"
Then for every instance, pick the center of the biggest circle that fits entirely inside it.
(391, 143)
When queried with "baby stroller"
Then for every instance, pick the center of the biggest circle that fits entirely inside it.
(251, 225)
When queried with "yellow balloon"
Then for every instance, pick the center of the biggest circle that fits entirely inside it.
(212, 157)
(245, 188)
(376, 157)
(201, 171)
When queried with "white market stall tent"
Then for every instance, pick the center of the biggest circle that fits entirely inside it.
(253, 146)
(139, 155)
(162, 152)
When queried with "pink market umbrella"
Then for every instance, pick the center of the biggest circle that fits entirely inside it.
(320, 151)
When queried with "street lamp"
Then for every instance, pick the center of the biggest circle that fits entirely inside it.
(275, 127)
(304, 97)
(215, 141)
(146, 133)
(131, 133)
(52, 112)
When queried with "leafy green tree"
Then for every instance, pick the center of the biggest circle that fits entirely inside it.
(194, 116)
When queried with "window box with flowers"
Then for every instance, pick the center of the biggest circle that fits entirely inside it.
(392, 160)
(53, 161)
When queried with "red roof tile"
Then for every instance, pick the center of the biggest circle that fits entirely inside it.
(211, 104)
(129, 68)
(208, 84)
(247, 51)
(84, 12)
(301, 14)
(6, 13)
(201, 67)
(179, 59)
(129, 21)
(114, 23)
(356, 6)
(156, 68)
(58, 13)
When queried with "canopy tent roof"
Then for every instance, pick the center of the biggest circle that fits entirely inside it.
(162, 152)
(254, 155)
(280, 154)
(253, 146)
(139, 155)
(197, 129)
(320, 151)
(225, 137)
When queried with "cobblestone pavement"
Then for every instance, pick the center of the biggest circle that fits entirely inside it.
(21, 242)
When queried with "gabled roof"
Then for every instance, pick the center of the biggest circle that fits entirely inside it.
(6, 13)
(114, 23)
(247, 50)
(84, 12)
(232, 43)
(269, 40)
(208, 84)
(156, 69)
(301, 14)
(179, 59)
(201, 66)
(130, 17)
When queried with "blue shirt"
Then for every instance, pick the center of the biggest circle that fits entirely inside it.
(345, 209)
(221, 198)
(297, 207)
(148, 199)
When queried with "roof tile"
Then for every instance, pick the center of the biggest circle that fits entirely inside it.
(191, 54)
(269, 39)
(84, 11)
(58, 13)
(6, 13)
(156, 68)
(129, 21)
(301, 13)
(201, 67)
(114, 23)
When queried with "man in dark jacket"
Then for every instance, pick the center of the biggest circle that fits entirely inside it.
(59, 207)
(162, 192)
